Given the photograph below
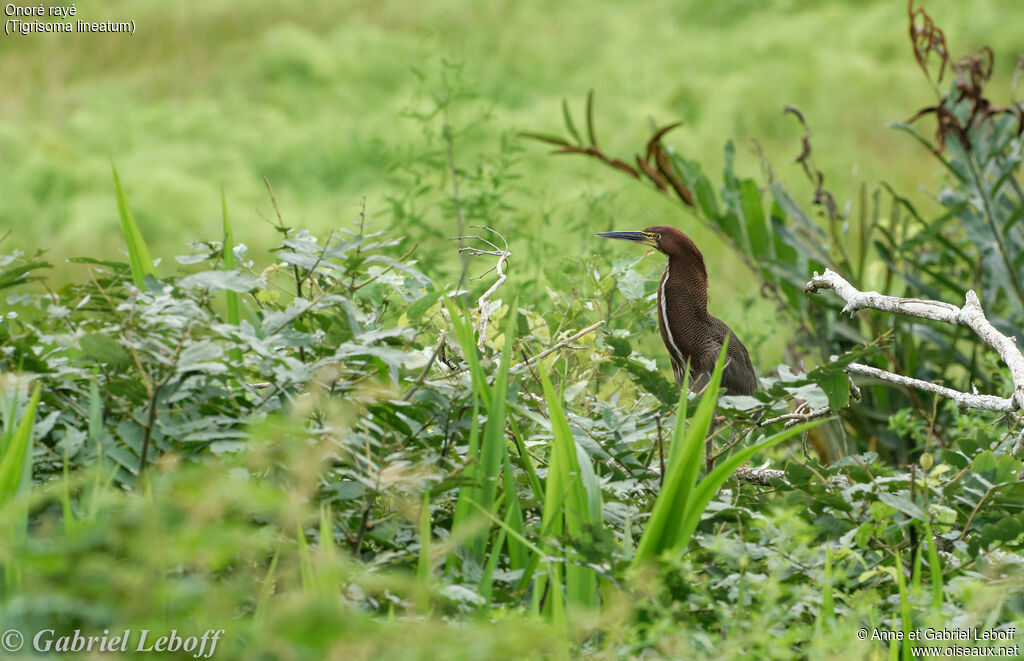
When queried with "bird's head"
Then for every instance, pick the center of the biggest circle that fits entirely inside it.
(662, 238)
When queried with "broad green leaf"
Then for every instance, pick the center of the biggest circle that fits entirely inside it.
(902, 503)
(104, 349)
(837, 388)
(232, 281)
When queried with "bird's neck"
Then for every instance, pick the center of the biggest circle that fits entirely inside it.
(685, 284)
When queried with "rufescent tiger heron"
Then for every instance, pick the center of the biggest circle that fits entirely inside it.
(691, 335)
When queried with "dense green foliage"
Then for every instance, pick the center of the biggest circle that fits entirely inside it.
(326, 451)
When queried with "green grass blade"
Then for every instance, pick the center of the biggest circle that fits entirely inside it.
(901, 584)
(96, 418)
(459, 318)
(9, 412)
(305, 561)
(68, 514)
(518, 554)
(566, 477)
(827, 599)
(710, 485)
(464, 335)
(934, 568)
(915, 574)
(540, 553)
(138, 253)
(675, 449)
(522, 458)
(423, 563)
(263, 602)
(230, 297)
(489, 456)
(16, 475)
(493, 447)
(327, 546)
(486, 586)
(17, 450)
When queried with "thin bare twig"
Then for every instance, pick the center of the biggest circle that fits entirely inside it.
(556, 347)
(1019, 445)
(800, 416)
(426, 368)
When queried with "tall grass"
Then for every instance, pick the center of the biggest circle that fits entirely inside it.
(487, 452)
(230, 296)
(16, 470)
(15, 448)
(572, 501)
(682, 499)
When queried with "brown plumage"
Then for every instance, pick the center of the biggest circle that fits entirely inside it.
(688, 330)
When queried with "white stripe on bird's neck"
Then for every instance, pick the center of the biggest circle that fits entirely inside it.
(664, 320)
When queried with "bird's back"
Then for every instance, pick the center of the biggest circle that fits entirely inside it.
(738, 377)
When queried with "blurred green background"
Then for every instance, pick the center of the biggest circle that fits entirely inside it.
(321, 98)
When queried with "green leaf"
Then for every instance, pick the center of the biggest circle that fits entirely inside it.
(104, 349)
(419, 307)
(663, 527)
(19, 274)
(902, 503)
(202, 356)
(984, 462)
(234, 281)
(837, 388)
(231, 299)
(650, 380)
(753, 214)
(620, 346)
(631, 285)
(797, 473)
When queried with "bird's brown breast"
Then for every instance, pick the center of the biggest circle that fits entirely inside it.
(692, 336)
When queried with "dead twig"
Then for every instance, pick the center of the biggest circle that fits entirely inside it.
(801, 415)
(543, 354)
(483, 303)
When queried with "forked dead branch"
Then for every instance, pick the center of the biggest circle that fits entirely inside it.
(970, 316)
(484, 302)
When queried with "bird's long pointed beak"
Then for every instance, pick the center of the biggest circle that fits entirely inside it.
(643, 238)
(639, 237)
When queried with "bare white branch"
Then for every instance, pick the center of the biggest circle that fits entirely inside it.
(963, 400)
(483, 303)
(970, 315)
(764, 477)
(759, 476)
